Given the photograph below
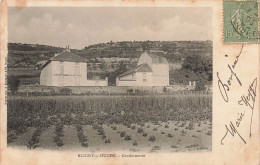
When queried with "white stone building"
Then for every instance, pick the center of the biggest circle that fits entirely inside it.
(151, 70)
(67, 69)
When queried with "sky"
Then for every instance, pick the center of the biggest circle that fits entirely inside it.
(83, 26)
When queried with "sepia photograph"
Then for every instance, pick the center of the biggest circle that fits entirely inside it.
(94, 79)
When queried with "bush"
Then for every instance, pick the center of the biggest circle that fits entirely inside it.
(169, 135)
(209, 133)
(191, 125)
(155, 148)
(140, 130)
(114, 127)
(152, 138)
(127, 138)
(200, 86)
(65, 91)
(174, 146)
(122, 134)
(107, 141)
(13, 84)
(165, 89)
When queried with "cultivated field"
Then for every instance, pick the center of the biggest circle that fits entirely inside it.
(163, 123)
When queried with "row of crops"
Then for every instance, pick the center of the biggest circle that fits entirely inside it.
(42, 111)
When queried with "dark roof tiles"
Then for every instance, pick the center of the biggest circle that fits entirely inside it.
(68, 56)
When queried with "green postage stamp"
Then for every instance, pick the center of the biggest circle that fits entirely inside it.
(241, 21)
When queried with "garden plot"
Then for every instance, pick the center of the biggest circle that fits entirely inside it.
(70, 139)
(22, 140)
(95, 124)
(47, 139)
(163, 137)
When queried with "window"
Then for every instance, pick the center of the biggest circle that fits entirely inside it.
(144, 76)
(77, 71)
(61, 67)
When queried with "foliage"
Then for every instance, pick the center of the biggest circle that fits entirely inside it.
(24, 112)
(127, 138)
(13, 83)
(152, 138)
(122, 134)
(200, 66)
(164, 89)
(65, 91)
(195, 68)
(200, 86)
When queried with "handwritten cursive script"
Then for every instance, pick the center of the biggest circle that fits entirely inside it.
(233, 129)
(249, 100)
(225, 87)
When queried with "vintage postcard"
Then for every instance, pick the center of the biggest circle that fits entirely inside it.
(130, 82)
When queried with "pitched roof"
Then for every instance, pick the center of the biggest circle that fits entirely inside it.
(140, 68)
(68, 56)
(158, 59)
(65, 56)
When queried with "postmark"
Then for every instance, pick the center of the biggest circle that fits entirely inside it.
(241, 22)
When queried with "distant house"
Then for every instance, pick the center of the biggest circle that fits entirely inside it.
(67, 69)
(151, 70)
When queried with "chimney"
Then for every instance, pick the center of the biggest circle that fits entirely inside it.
(68, 48)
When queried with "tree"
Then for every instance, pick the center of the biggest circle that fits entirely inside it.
(200, 86)
(193, 62)
(199, 67)
(13, 84)
(166, 47)
(145, 45)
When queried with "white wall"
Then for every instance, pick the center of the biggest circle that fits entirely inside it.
(126, 83)
(128, 77)
(145, 58)
(97, 83)
(160, 71)
(46, 75)
(139, 80)
(160, 74)
(69, 77)
(51, 75)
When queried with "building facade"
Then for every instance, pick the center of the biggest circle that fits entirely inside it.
(151, 70)
(67, 69)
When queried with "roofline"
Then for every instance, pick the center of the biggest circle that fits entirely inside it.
(149, 54)
(45, 64)
(123, 74)
(83, 59)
